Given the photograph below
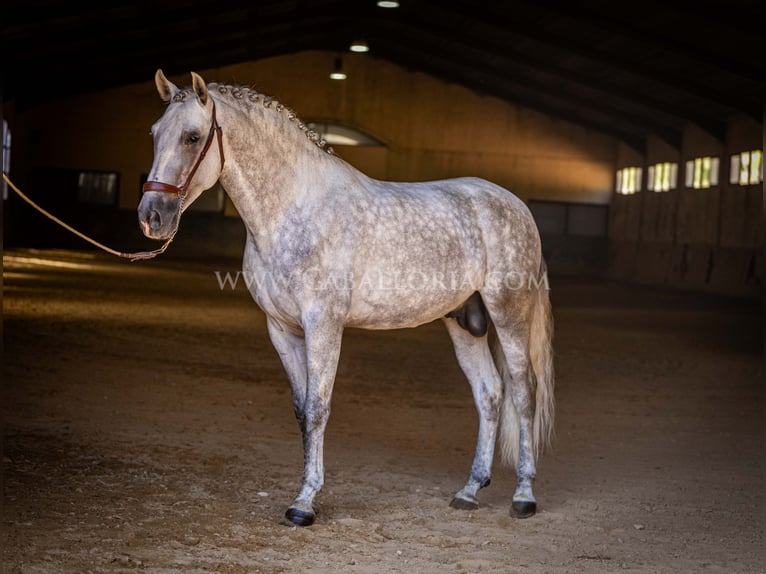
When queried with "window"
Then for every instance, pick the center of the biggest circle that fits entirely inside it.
(662, 176)
(212, 200)
(628, 180)
(702, 172)
(97, 187)
(746, 168)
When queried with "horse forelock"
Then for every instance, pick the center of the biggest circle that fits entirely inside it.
(249, 99)
(182, 95)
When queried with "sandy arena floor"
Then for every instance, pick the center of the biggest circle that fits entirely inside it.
(147, 426)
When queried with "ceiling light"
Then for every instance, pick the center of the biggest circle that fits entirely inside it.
(337, 72)
(388, 4)
(359, 46)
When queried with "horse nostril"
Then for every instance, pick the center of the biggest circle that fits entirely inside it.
(154, 220)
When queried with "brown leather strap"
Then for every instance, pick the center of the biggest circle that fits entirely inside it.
(219, 131)
(181, 189)
(164, 187)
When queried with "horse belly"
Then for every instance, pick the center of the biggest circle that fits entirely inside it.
(393, 300)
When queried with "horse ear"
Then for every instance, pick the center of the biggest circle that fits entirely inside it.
(200, 88)
(165, 87)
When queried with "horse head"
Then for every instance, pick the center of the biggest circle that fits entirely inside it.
(182, 168)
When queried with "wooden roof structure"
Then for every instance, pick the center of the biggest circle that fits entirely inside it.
(627, 71)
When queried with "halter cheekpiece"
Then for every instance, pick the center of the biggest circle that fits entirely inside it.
(181, 189)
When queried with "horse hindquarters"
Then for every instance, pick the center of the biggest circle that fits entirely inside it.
(524, 358)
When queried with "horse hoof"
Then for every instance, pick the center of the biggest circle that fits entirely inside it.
(463, 504)
(300, 517)
(523, 508)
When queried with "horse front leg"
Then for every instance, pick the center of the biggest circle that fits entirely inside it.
(291, 348)
(323, 340)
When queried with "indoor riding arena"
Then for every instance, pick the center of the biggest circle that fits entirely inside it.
(148, 418)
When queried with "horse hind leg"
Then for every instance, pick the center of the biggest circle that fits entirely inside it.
(475, 359)
(523, 355)
(517, 422)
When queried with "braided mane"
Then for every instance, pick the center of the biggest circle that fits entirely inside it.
(246, 95)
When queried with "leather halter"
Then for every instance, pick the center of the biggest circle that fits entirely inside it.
(181, 189)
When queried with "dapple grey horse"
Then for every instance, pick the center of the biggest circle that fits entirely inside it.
(332, 248)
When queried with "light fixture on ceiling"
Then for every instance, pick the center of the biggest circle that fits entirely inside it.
(388, 4)
(359, 46)
(337, 71)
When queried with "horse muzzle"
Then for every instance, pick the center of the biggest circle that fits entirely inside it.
(159, 214)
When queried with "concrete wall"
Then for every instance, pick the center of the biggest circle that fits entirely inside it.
(701, 239)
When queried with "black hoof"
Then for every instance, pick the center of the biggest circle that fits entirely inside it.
(463, 504)
(523, 508)
(300, 517)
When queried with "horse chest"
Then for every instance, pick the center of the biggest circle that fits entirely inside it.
(271, 286)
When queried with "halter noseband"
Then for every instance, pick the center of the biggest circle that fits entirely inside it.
(181, 189)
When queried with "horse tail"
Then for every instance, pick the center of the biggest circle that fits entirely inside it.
(540, 378)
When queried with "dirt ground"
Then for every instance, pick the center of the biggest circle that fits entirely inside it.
(147, 426)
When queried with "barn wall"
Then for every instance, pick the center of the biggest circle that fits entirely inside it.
(701, 239)
(430, 130)
(433, 130)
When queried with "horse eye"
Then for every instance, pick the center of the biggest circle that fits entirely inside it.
(192, 138)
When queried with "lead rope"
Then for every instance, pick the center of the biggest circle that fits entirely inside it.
(141, 255)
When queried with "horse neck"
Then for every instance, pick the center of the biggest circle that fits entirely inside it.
(268, 161)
